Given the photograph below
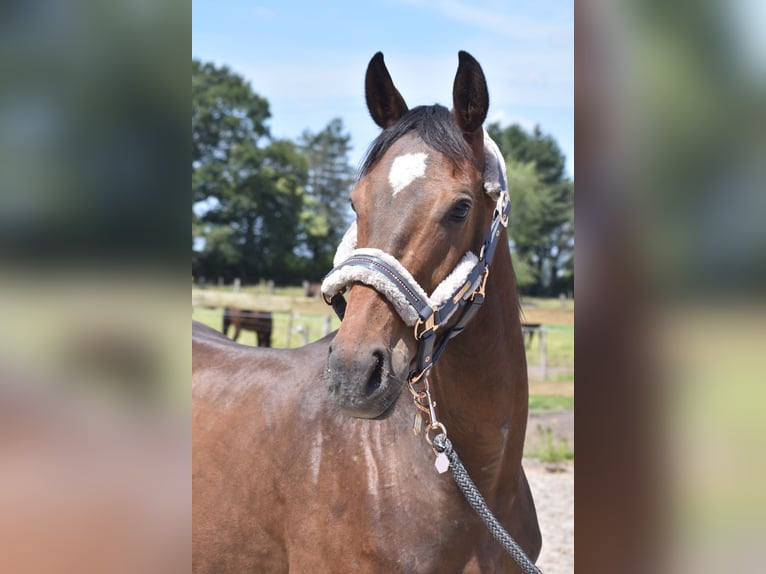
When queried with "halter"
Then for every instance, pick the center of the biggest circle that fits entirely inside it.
(462, 290)
(393, 280)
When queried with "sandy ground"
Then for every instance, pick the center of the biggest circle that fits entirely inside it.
(554, 498)
(553, 491)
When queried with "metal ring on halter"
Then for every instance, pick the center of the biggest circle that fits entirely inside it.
(418, 395)
(419, 379)
(435, 426)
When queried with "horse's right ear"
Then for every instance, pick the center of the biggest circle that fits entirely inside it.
(384, 101)
(469, 95)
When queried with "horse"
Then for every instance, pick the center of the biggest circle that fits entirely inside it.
(311, 288)
(259, 321)
(305, 460)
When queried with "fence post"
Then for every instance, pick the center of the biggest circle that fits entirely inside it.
(237, 285)
(326, 324)
(304, 332)
(289, 328)
(543, 356)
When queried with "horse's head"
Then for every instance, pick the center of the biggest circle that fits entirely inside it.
(421, 199)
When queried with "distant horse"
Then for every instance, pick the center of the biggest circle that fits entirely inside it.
(311, 289)
(243, 319)
(305, 460)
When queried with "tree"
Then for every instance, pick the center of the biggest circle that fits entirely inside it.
(541, 228)
(262, 208)
(537, 147)
(225, 113)
(247, 188)
(262, 204)
(325, 215)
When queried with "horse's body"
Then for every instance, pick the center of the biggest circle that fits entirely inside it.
(261, 322)
(285, 480)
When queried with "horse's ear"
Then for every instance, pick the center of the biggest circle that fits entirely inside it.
(469, 94)
(384, 101)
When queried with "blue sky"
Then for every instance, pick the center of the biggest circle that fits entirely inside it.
(309, 58)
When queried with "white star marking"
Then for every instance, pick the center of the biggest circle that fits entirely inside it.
(405, 169)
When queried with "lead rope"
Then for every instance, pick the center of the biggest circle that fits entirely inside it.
(448, 458)
(443, 445)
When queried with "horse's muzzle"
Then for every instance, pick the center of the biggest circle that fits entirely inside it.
(362, 382)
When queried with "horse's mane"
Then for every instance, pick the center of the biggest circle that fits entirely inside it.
(433, 124)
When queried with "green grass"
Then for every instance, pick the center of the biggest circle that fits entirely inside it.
(550, 403)
(551, 450)
(559, 346)
(551, 303)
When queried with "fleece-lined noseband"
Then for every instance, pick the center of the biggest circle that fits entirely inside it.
(462, 289)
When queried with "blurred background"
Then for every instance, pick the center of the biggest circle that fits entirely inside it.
(670, 258)
(94, 248)
(94, 336)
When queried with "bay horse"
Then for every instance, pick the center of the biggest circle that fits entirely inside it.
(261, 322)
(305, 460)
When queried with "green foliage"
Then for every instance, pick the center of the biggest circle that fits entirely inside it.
(325, 214)
(265, 208)
(537, 148)
(551, 450)
(526, 275)
(542, 218)
(226, 115)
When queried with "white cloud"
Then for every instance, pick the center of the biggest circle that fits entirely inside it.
(497, 18)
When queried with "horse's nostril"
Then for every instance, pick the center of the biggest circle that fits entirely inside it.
(376, 377)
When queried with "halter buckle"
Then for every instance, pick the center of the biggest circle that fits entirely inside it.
(502, 212)
(481, 290)
(427, 325)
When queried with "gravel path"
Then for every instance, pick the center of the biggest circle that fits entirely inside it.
(554, 498)
(553, 491)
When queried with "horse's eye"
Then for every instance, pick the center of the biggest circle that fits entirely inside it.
(460, 210)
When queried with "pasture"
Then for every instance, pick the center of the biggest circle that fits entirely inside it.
(299, 319)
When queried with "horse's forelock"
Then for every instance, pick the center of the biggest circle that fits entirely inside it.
(433, 124)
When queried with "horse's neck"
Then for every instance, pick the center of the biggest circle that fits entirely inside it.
(480, 383)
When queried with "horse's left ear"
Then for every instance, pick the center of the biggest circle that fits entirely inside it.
(469, 94)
